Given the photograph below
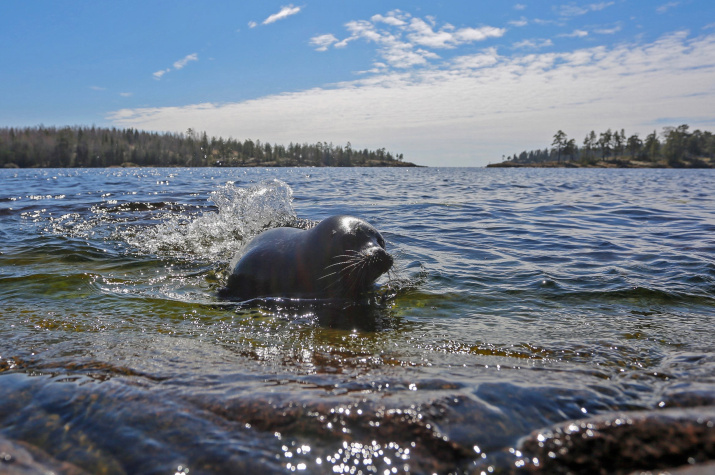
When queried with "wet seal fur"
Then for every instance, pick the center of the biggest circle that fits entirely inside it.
(341, 257)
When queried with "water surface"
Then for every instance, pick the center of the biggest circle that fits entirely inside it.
(521, 298)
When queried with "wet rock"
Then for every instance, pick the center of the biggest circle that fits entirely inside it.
(331, 425)
(18, 458)
(691, 396)
(701, 469)
(624, 443)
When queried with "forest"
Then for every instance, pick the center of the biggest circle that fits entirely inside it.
(104, 147)
(674, 147)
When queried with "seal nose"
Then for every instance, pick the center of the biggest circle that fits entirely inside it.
(384, 260)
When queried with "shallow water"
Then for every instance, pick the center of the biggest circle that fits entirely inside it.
(521, 298)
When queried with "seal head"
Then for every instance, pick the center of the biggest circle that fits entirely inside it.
(341, 257)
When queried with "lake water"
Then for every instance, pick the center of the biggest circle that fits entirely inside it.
(520, 298)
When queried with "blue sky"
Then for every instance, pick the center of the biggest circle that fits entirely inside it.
(450, 83)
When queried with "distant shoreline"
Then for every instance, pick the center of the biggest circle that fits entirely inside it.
(97, 147)
(677, 147)
(701, 163)
(12, 166)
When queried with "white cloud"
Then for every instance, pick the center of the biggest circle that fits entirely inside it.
(423, 34)
(158, 75)
(97, 88)
(378, 68)
(392, 49)
(322, 42)
(572, 10)
(664, 8)
(252, 24)
(126, 94)
(469, 35)
(185, 60)
(394, 18)
(600, 6)
(405, 41)
(284, 13)
(478, 107)
(365, 29)
(519, 6)
(177, 65)
(475, 61)
(519, 23)
(533, 44)
(608, 31)
(344, 43)
(402, 55)
(447, 37)
(541, 22)
(575, 34)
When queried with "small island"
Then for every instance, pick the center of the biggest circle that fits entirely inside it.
(676, 147)
(69, 147)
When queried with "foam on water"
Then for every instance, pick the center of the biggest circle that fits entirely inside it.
(216, 235)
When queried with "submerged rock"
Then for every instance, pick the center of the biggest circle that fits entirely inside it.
(19, 458)
(625, 442)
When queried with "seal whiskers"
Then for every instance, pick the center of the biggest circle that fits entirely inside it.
(349, 270)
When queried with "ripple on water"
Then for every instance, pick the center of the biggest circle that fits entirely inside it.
(523, 299)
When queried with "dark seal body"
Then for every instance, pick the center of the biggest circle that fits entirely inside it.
(341, 257)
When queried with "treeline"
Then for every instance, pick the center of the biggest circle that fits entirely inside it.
(103, 147)
(674, 147)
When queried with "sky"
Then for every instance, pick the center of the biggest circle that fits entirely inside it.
(446, 83)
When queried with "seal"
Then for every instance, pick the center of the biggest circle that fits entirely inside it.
(341, 257)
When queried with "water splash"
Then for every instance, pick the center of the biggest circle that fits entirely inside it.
(241, 214)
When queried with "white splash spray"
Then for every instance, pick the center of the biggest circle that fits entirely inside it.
(242, 213)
